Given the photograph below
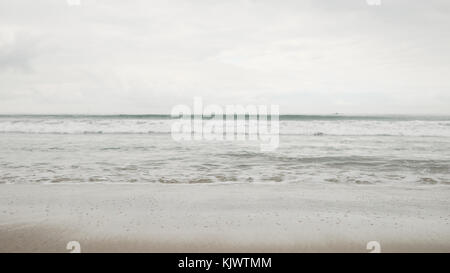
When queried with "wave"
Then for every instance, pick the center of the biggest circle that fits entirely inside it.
(317, 128)
(281, 117)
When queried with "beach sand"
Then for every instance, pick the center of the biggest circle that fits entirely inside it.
(253, 217)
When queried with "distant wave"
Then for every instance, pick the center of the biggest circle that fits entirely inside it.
(168, 133)
(295, 127)
(281, 117)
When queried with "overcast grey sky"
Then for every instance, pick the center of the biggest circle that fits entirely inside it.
(110, 56)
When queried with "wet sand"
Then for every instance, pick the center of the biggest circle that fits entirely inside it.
(254, 217)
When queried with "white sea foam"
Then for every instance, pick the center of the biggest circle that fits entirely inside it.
(342, 127)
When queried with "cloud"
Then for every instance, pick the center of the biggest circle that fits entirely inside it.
(147, 56)
(16, 51)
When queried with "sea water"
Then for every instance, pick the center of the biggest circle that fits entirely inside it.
(359, 150)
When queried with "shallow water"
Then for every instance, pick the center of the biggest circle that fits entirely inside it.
(139, 149)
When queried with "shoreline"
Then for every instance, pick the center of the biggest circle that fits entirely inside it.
(256, 217)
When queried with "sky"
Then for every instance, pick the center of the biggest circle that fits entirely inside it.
(145, 57)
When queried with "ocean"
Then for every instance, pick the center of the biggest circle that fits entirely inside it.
(405, 151)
